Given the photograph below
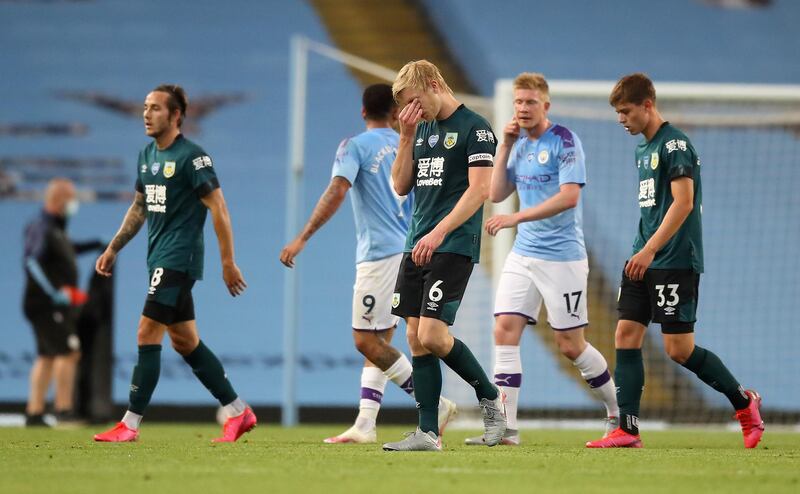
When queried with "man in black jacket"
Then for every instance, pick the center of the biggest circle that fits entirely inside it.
(51, 300)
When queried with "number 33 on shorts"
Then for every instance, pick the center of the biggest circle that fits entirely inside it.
(667, 303)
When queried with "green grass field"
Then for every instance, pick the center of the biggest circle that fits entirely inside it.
(180, 458)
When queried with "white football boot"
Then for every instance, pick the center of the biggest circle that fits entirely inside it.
(353, 435)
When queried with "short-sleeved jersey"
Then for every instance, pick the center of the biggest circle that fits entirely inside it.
(381, 216)
(173, 181)
(444, 150)
(538, 168)
(665, 157)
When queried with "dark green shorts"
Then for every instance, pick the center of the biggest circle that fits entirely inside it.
(169, 298)
(665, 296)
(434, 290)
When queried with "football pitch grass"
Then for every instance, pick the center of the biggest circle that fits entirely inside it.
(180, 458)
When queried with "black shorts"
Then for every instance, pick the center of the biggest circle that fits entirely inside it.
(434, 290)
(666, 296)
(169, 298)
(55, 330)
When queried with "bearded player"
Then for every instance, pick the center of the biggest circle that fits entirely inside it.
(176, 185)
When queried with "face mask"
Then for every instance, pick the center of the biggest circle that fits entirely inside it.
(71, 208)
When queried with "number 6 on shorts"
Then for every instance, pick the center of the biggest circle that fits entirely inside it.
(435, 293)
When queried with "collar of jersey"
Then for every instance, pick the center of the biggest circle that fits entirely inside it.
(527, 139)
(177, 138)
(663, 126)
(452, 114)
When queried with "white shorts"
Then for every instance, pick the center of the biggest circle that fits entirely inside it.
(527, 281)
(372, 294)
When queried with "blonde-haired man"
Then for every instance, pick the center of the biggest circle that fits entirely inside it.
(445, 156)
(545, 164)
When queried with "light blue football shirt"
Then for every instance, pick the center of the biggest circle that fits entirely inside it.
(381, 216)
(538, 168)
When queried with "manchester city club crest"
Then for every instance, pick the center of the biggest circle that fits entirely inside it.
(450, 140)
(432, 140)
(654, 161)
(543, 157)
(169, 169)
(154, 168)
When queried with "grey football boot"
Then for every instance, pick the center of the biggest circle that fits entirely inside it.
(494, 418)
(510, 438)
(416, 441)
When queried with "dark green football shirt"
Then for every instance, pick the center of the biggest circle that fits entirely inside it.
(667, 156)
(444, 150)
(173, 180)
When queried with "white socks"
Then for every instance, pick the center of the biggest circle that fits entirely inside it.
(234, 408)
(594, 370)
(132, 420)
(400, 374)
(373, 383)
(591, 364)
(508, 376)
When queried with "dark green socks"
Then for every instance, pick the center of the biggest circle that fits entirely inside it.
(208, 369)
(204, 363)
(464, 363)
(710, 369)
(629, 377)
(145, 378)
(427, 376)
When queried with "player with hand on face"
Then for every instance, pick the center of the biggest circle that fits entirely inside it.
(445, 156)
(176, 186)
(545, 164)
(661, 280)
